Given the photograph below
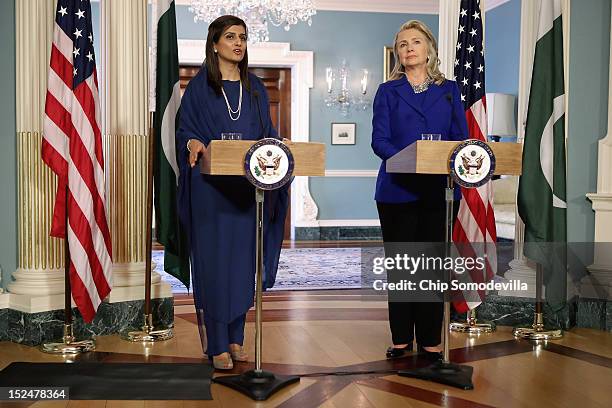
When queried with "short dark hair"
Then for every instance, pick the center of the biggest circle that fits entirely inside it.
(215, 29)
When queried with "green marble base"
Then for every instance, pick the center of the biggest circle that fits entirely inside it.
(32, 329)
(338, 234)
(4, 324)
(594, 314)
(519, 312)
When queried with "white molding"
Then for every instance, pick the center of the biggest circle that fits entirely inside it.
(351, 173)
(37, 304)
(350, 223)
(27, 303)
(128, 293)
(132, 274)
(523, 271)
(598, 283)
(601, 201)
(5, 300)
(37, 282)
(380, 6)
(271, 54)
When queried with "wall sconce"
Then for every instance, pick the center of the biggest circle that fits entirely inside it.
(340, 96)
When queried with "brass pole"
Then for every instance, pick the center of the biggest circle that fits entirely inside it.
(68, 345)
(147, 334)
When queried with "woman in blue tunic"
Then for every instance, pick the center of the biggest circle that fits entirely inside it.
(218, 212)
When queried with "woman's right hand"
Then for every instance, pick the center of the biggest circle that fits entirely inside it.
(195, 149)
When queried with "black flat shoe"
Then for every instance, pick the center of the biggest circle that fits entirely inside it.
(430, 355)
(396, 352)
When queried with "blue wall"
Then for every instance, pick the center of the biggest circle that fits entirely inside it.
(588, 110)
(8, 148)
(502, 45)
(359, 38)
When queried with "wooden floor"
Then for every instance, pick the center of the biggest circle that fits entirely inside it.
(326, 331)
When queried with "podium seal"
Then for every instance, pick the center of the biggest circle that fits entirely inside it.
(472, 163)
(268, 164)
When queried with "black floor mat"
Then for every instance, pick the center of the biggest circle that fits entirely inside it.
(115, 381)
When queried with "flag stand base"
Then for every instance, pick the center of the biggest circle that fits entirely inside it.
(147, 334)
(257, 384)
(537, 331)
(68, 345)
(447, 373)
(472, 326)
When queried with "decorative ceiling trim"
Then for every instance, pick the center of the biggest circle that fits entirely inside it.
(381, 6)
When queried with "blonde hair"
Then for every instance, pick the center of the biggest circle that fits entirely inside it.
(433, 62)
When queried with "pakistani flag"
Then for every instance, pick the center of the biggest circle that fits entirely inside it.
(541, 196)
(167, 102)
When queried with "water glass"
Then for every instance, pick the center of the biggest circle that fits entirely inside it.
(431, 136)
(231, 136)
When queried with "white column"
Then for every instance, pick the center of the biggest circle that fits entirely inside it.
(38, 283)
(125, 93)
(598, 284)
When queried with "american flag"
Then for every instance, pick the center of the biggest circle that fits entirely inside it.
(72, 147)
(475, 221)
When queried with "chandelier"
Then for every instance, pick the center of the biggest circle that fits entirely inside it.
(340, 96)
(256, 13)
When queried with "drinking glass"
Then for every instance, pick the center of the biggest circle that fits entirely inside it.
(231, 136)
(431, 136)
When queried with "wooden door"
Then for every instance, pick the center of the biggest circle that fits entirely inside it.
(278, 85)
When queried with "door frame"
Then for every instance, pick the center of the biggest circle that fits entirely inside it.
(278, 55)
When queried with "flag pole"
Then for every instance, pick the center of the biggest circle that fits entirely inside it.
(538, 331)
(471, 325)
(147, 333)
(68, 345)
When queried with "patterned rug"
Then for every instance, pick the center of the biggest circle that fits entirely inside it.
(300, 268)
(326, 268)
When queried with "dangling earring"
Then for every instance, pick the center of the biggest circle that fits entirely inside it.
(216, 52)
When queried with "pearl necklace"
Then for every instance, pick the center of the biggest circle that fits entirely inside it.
(422, 87)
(229, 108)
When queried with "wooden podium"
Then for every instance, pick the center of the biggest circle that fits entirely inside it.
(433, 157)
(227, 158)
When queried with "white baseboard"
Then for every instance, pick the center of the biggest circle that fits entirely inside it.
(339, 223)
(351, 173)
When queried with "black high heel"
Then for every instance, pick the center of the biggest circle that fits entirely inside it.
(430, 355)
(396, 352)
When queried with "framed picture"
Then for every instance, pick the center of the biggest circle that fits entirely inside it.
(343, 133)
(388, 62)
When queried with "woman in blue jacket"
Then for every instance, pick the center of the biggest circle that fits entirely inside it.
(416, 100)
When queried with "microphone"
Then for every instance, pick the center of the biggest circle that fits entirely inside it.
(265, 129)
(256, 95)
